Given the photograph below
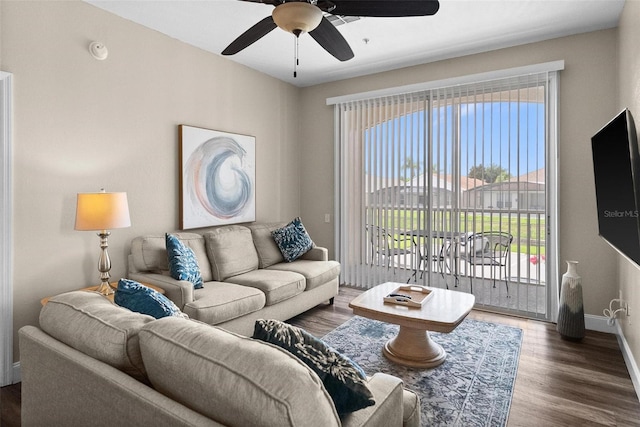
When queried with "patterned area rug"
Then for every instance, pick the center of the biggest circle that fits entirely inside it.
(473, 387)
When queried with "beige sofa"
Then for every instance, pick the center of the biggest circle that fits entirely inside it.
(94, 363)
(245, 276)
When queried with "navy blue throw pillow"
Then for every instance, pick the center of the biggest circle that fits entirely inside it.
(292, 240)
(343, 379)
(183, 264)
(142, 299)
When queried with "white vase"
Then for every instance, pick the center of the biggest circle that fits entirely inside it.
(572, 275)
(571, 310)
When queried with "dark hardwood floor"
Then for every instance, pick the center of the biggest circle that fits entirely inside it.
(10, 406)
(559, 382)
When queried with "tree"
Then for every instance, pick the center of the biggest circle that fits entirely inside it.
(492, 173)
(503, 177)
(410, 169)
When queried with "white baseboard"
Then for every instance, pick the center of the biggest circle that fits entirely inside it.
(17, 376)
(599, 324)
(632, 366)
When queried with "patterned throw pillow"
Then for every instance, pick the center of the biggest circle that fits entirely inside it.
(344, 380)
(142, 299)
(292, 240)
(183, 264)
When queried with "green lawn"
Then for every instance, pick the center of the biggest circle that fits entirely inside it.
(528, 230)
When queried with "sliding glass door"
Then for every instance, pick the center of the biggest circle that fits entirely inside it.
(447, 187)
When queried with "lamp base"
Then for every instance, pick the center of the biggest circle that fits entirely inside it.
(105, 289)
(104, 265)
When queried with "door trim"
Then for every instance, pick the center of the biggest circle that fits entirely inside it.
(6, 208)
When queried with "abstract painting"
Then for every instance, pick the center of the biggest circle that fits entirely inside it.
(217, 177)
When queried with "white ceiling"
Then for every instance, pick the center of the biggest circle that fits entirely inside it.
(460, 27)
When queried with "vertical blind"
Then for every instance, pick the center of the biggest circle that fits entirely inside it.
(419, 173)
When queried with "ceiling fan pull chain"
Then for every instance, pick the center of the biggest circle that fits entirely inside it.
(295, 59)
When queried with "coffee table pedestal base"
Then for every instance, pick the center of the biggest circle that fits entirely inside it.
(415, 348)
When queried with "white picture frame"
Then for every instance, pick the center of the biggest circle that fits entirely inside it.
(217, 177)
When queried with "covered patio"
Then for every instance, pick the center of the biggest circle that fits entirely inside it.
(526, 281)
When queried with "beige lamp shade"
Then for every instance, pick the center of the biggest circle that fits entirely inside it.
(102, 211)
(297, 17)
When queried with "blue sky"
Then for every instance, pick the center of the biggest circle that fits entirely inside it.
(508, 134)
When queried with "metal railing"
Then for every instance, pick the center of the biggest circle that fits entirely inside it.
(528, 228)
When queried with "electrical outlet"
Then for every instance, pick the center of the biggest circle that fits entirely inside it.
(627, 312)
(327, 218)
(625, 306)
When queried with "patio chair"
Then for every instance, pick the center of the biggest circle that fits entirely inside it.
(383, 246)
(437, 253)
(487, 248)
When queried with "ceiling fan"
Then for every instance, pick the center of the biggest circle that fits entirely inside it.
(306, 16)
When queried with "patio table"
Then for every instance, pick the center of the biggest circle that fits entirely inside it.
(447, 239)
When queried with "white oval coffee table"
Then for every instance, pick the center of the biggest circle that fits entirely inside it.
(443, 311)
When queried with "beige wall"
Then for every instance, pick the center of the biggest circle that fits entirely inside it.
(587, 100)
(82, 124)
(629, 69)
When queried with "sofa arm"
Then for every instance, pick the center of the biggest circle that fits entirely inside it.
(387, 412)
(178, 291)
(316, 253)
(411, 403)
(63, 387)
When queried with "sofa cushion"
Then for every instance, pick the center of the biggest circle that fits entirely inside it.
(219, 302)
(92, 324)
(149, 253)
(316, 273)
(293, 240)
(232, 379)
(345, 381)
(268, 251)
(142, 299)
(277, 285)
(231, 251)
(183, 264)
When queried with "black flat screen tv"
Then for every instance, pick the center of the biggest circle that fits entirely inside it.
(616, 165)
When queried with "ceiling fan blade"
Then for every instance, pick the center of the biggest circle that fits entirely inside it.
(271, 2)
(250, 36)
(385, 8)
(331, 40)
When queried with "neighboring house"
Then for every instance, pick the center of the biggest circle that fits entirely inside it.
(383, 191)
(413, 193)
(525, 192)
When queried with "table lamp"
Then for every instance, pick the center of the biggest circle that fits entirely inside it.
(101, 212)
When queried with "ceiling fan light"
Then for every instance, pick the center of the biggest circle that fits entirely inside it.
(296, 17)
